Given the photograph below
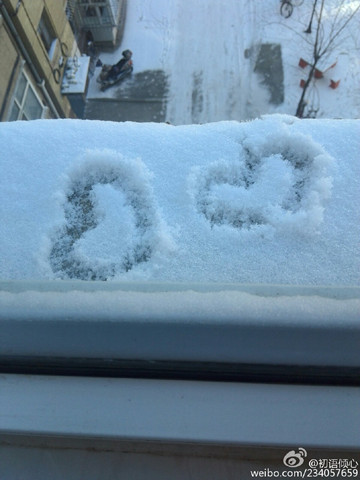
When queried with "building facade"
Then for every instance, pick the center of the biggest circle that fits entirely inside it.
(102, 20)
(36, 42)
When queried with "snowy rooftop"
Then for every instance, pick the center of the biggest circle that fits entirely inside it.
(273, 200)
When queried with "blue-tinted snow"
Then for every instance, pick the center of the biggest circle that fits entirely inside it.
(274, 200)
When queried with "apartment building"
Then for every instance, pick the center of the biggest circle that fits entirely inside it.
(36, 44)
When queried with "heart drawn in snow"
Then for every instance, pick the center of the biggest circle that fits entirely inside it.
(131, 178)
(278, 181)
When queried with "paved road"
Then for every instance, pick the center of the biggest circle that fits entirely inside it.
(143, 97)
(140, 98)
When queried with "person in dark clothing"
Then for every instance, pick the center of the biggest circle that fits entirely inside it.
(116, 69)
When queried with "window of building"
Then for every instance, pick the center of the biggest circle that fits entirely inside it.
(95, 12)
(26, 104)
(47, 33)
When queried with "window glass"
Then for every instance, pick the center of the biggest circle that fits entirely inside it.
(104, 13)
(32, 107)
(21, 88)
(14, 115)
(90, 11)
(47, 33)
(96, 14)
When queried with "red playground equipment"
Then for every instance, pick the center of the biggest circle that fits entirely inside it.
(319, 73)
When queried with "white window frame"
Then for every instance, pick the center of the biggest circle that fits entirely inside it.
(21, 103)
(98, 402)
(185, 412)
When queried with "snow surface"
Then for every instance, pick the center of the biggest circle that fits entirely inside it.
(274, 200)
(227, 307)
(208, 51)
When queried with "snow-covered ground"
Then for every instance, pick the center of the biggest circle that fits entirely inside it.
(208, 50)
(273, 200)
